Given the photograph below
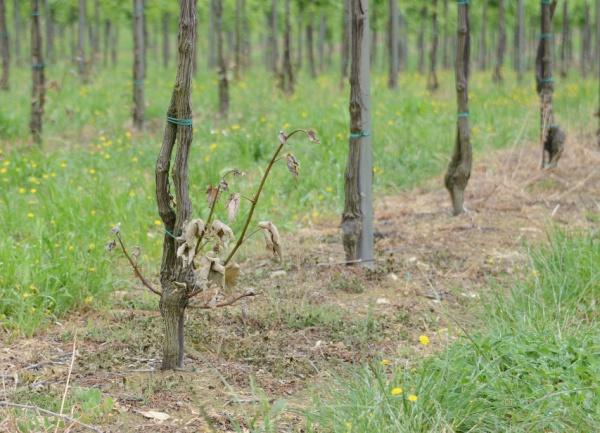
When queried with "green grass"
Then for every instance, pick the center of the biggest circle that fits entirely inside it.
(58, 203)
(533, 368)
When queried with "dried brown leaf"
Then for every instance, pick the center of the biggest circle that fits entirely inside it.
(212, 193)
(272, 239)
(232, 271)
(292, 164)
(312, 136)
(233, 205)
(282, 137)
(222, 232)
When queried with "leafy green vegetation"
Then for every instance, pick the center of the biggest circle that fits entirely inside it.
(534, 367)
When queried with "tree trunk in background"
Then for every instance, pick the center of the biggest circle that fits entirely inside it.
(139, 73)
(321, 42)
(421, 41)
(4, 48)
(501, 46)
(564, 40)
(221, 65)
(106, 41)
(246, 39)
(273, 49)
(299, 41)
(166, 44)
(287, 74)
(81, 64)
(49, 9)
(357, 219)
(597, 62)
(96, 46)
(374, 43)
(212, 41)
(586, 41)
(520, 40)
(17, 30)
(238, 39)
(310, 49)
(459, 169)
(403, 45)
(482, 37)
(174, 300)
(346, 29)
(37, 74)
(392, 43)
(115, 44)
(432, 80)
(550, 132)
(445, 56)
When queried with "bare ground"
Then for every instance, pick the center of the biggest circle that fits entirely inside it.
(317, 317)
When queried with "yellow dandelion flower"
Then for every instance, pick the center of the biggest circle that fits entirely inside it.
(385, 362)
(3, 170)
(33, 190)
(93, 212)
(397, 391)
(134, 159)
(92, 171)
(412, 398)
(213, 147)
(88, 300)
(157, 222)
(22, 190)
(30, 215)
(424, 340)
(92, 269)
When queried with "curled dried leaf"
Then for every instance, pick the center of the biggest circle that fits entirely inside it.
(293, 164)
(233, 205)
(272, 239)
(212, 193)
(312, 136)
(223, 185)
(116, 229)
(282, 137)
(222, 232)
(190, 234)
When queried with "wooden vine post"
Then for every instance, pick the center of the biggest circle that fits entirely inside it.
(138, 63)
(37, 74)
(357, 219)
(552, 138)
(178, 130)
(459, 169)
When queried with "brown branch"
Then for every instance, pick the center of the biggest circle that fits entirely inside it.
(207, 306)
(135, 267)
(50, 413)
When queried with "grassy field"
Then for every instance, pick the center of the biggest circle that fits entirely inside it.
(532, 368)
(59, 202)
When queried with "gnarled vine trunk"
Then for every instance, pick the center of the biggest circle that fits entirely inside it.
(459, 169)
(357, 219)
(176, 280)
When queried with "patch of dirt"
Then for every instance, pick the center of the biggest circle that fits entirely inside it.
(319, 315)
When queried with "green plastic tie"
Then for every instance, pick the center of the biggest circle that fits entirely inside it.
(38, 66)
(35, 13)
(138, 82)
(463, 114)
(359, 134)
(546, 36)
(180, 122)
(462, 2)
(547, 80)
(546, 2)
(170, 234)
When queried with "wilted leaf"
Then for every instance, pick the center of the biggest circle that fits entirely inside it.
(211, 194)
(312, 136)
(292, 164)
(223, 185)
(282, 137)
(222, 232)
(272, 239)
(153, 414)
(116, 229)
(191, 232)
(232, 206)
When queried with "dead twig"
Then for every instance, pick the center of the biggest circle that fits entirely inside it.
(50, 413)
(208, 306)
(135, 267)
(64, 396)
